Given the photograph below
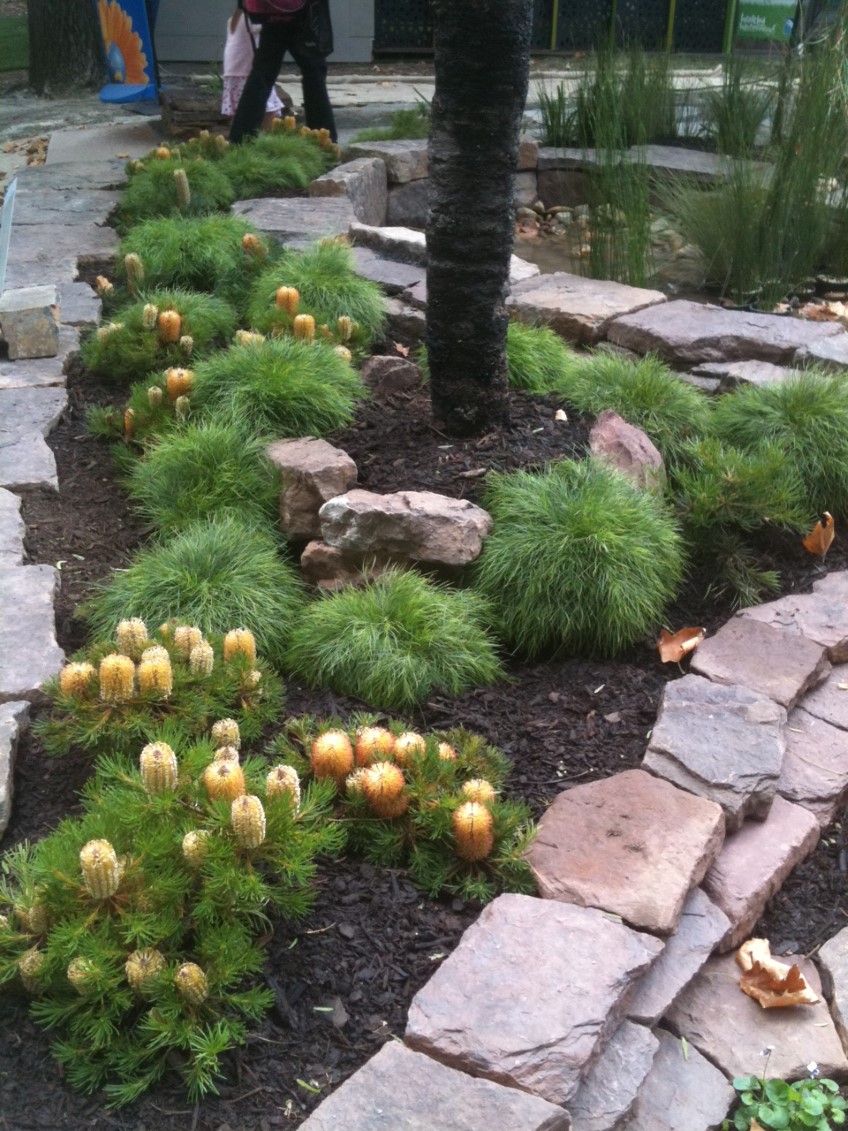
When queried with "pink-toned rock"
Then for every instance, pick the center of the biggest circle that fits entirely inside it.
(815, 765)
(632, 845)
(731, 1029)
(528, 153)
(702, 926)
(754, 863)
(833, 963)
(402, 1090)
(820, 616)
(418, 525)
(531, 994)
(329, 568)
(576, 307)
(829, 701)
(389, 375)
(311, 472)
(627, 449)
(751, 654)
(608, 1092)
(682, 1092)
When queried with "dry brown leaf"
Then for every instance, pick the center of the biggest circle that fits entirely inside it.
(673, 647)
(774, 984)
(819, 540)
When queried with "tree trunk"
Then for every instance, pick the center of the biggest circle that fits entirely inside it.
(65, 48)
(482, 65)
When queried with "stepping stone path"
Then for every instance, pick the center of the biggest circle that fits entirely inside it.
(578, 308)
(545, 1006)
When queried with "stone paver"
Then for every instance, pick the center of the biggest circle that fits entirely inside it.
(578, 308)
(751, 654)
(79, 304)
(683, 1092)
(26, 417)
(686, 333)
(405, 160)
(29, 319)
(403, 1090)
(722, 742)
(45, 243)
(730, 374)
(406, 245)
(11, 529)
(311, 473)
(393, 277)
(74, 177)
(829, 353)
(702, 926)
(531, 994)
(632, 845)
(832, 960)
(14, 719)
(609, 1091)
(754, 863)
(362, 182)
(298, 218)
(820, 616)
(29, 654)
(36, 205)
(815, 765)
(40, 372)
(731, 1029)
(829, 701)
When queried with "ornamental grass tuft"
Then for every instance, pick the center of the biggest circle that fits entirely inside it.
(580, 561)
(153, 191)
(395, 642)
(274, 162)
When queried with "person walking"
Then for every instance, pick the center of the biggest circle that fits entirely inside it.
(238, 59)
(306, 32)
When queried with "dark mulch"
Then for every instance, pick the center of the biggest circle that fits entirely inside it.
(344, 978)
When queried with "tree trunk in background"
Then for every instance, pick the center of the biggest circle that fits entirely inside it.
(65, 49)
(482, 65)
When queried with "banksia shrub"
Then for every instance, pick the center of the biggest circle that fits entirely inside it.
(186, 637)
(178, 382)
(303, 327)
(158, 765)
(169, 324)
(274, 161)
(153, 191)
(201, 659)
(82, 974)
(247, 818)
(407, 746)
(480, 790)
(132, 637)
(31, 967)
(226, 754)
(183, 190)
(100, 872)
(288, 299)
(196, 847)
(156, 677)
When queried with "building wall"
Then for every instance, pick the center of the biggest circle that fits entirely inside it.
(194, 31)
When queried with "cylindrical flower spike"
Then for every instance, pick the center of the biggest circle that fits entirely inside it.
(154, 653)
(182, 186)
(344, 353)
(81, 974)
(34, 919)
(248, 338)
(149, 316)
(373, 744)
(409, 746)
(191, 983)
(248, 820)
(478, 789)
(195, 847)
(289, 122)
(288, 299)
(325, 332)
(156, 677)
(240, 642)
(158, 765)
(135, 272)
(129, 423)
(447, 752)
(201, 659)
(383, 785)
(100, 872)
(225, 732)
(162, 152)
(304, 327)
(332, 755)
(186, 637)
(353, 782)
(132, 637)
(77, 680)
(345, 328)
(103, 286)
(155, 396)
(187, 344)
(142, 967)
(224, 781)
(221, 142)
(169, 323)
(253, 245)
(179, 382)
(226, 754)
(117, 678)
(283, 779)
(30, 967)
(181, 408)
(473, 831)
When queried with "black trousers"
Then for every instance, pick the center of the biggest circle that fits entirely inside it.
(275, 39)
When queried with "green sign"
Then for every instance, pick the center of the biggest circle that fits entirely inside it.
(769, 20)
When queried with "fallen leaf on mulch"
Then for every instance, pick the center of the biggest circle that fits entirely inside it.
(819, 540)
(673, 647)
(775, 985)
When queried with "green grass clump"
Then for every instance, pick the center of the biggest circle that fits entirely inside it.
(805, 416)
(279, 388)
(395, 642)
(215, 574)
(193, 254)
(152, 191)
(410, 123)
(278, 160)
(329, 288)
(125, 350)
(580, 561)
(204, 470)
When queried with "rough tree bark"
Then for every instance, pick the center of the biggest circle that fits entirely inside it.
(65, 49)
(482, 66)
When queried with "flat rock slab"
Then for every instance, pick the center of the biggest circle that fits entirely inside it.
(26, 417)
(815, 765)
(14, 719)
(102, 142)
(731, 374)
(820, 616)
(29, 654)
(608, 1092)
(702, 926)
(577, 308)
(829, 701)
(12, 529)
(45, 243)
(688, 333)
(393, 277)
(37, 205)
(833, 963)
(722, 742)
(829, 353)
(79, 305)
(754, 863)
(403, 1089)
(632, 845)
(406, 245)
(749, 653)
(682, 1092)
(76, 176)
(323, 217)
(531, 995)
(41, 372)
(363, 182)
(731, 1029)
(405, 160)
(38, 272)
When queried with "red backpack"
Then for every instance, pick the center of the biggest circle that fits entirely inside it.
(261, 10)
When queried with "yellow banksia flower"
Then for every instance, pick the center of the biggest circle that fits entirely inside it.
(353, 782)
(117, 678)
(142, 966)
(132, 637)
(289, 122)
(373, 744)
(409, 746)
(304, 327)
(178, 382)
(225, 732)
(331, 755)
(185, 637)
(478, 789)
(181, 408)
(129, 423)
(226, 754)
(283, 779)
(250, 682)
(77, 679)
(156, 677)
(288, 299)
(224, 781)
(345, 327)
(473, 831)
(383, 787)
(323, 136)
(34, 919)
(182, 186)
(170, 324)
(252, 244)
(30, 967)
(248, 338)
(240, 642)
(447, 752)
(81, 974)
(221, 142)
(162, 152)
(201, 659)
(248, 820)
(135, 271)
(325, 332)
(155, 396)
(187, 344)
(158, 765)
(344, 353)
(149, 315)
(103, 286)
(100, 872)
(154, 652)
(191, 983)
(195, 847)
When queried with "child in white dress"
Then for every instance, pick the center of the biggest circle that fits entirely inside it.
(238, 59)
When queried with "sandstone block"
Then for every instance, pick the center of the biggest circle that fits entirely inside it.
(578, 308)
(608, 1092)
(393, 277)
(363, 182)
(299, 218)
(833, 963)
(404, 244)
(404, 321)
(29, 654)
(820, 616)
(329, 568)
(627, 449)
(826, 353)
(12, 529)
(311, 472)
(631, 845)
(753, 864)
(751, 654)
(407, 204)
(29, 319)
(528, 153)
(722, 742)
(41, 372)
(14, 719)
(815, 765)
(531, 994)
(405, 160)
(390, 375)
(829, 700)
(731, 374)
(27, 416)
(417, 525)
